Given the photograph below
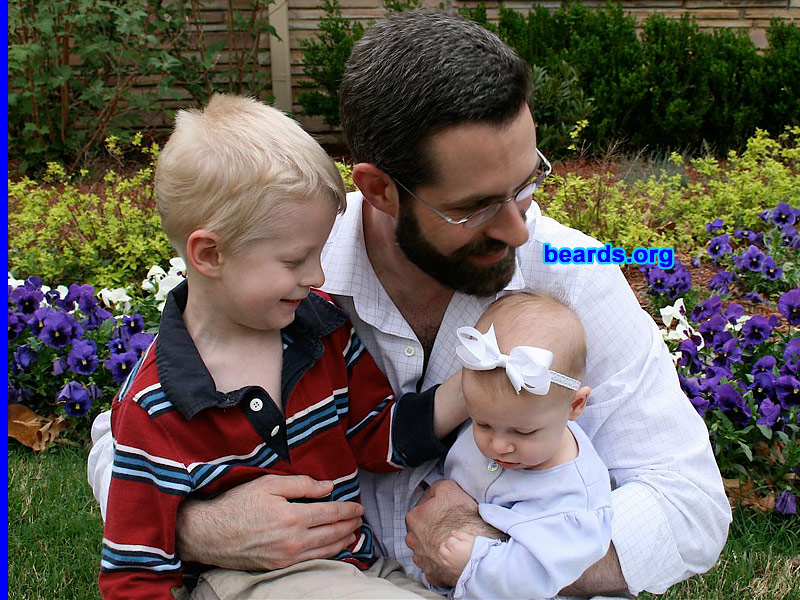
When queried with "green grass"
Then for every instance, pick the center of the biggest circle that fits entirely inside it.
(54, 525)
(55, 534)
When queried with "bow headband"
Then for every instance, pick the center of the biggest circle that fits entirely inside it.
(527, 367)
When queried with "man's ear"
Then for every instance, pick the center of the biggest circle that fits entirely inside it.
(377, 187)
(578, 402)
(203, 252)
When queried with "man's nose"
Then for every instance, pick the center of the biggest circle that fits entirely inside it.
(508, 226)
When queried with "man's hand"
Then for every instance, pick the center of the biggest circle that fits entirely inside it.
(255, 526)
(443, 508)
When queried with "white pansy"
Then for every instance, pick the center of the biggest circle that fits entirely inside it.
(740, 321)
(165, 287)
(675, 312)
(14, 283)
(177, 266)
(154, 275)
(117, 299)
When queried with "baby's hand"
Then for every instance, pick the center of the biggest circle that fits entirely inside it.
(456, 550)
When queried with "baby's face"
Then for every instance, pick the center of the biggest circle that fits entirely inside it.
(517, 431)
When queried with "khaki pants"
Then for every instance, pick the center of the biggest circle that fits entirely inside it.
(324, 579)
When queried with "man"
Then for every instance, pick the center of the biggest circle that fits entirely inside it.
(435, 111)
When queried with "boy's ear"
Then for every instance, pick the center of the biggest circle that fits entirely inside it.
(377, 187)
(578, 402)
(203, 252)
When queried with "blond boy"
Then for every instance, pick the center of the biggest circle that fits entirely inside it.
(250, 373)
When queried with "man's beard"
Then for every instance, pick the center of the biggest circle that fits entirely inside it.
(455, 270)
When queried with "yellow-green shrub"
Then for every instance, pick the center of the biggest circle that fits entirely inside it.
(106, 234)
(665, 209)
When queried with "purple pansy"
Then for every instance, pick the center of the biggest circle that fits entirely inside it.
(733, 405)
(771, 272)
(720, 282)
(83, 359)
(786, 503)
(712, 328)
(749, 236)
(764, 364)
(83, 295)
(25, 356)
(76, 399)
(59, 330)
(769, 411)
(728, 354)
(719, 246)
(789, 237)
(751, 260)
(60, 366)
(117, 346)
(757, 329)
(753, 297)
(96, 316)
(789, 306)
(787, 388)
(706, 309)
(28, 300)
(791, 357)
(783, 214)
(689, 358)
(132, 325)
(35, 322)
(714, 225)
(763, 386)
(121, 365)
(140, 342)
(16, 324)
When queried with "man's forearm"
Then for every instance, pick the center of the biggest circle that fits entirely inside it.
(603, 577)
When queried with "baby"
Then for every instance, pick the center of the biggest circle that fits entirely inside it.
(533, 472)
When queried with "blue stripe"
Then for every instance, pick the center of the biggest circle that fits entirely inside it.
(328, 424)
(354, 351)
(369, 417)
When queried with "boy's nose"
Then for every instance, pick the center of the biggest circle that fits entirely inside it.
(315, 277)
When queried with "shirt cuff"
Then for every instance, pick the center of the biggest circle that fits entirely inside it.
(412, 429)
(101, 459)
(644, 542)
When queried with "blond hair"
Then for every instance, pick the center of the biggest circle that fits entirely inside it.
(224, 168)
(531, 319)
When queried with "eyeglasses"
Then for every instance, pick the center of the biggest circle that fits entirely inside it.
(479, 217)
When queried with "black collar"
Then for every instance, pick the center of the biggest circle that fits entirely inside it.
(188, 384)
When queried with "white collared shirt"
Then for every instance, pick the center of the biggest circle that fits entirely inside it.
(671, 515)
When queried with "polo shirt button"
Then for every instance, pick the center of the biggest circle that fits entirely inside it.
(409, 351)
(256, 404)
(275, 430)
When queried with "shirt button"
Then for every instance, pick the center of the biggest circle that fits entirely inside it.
(256, 404)
(409, 351)
(275, 431)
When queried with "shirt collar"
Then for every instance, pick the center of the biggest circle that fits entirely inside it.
(181, 371)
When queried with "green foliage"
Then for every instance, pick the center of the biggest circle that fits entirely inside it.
(324, 61)
(674, 86)
(668, 207)
(79, 71)
(325, 57)
(780, 76)
(105, 234)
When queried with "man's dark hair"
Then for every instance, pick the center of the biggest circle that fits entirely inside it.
(418, 72)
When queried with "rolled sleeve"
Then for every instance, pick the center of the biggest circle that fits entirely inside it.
(101, 459)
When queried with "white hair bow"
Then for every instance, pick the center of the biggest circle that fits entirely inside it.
(527, 367)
